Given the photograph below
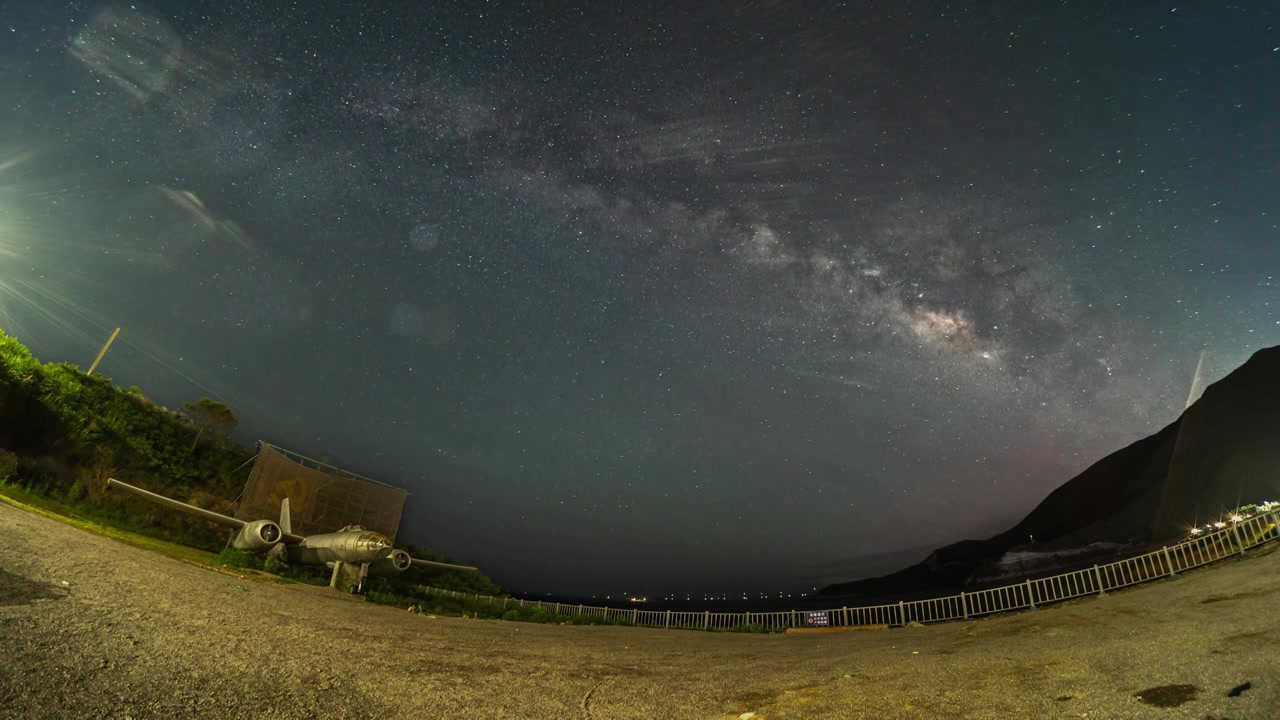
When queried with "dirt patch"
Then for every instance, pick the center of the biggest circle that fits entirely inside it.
(1236, 596)
(1248, 636)
(1079, 620)
(753, 701)
(1129, 611)
(997, 630)
(18, 590)
(1168, 696)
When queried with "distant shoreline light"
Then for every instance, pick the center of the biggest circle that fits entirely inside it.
(1239, 515)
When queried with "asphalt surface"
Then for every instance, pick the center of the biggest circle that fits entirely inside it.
(90, 627)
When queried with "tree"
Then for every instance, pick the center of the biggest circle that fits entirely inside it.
(209, 413)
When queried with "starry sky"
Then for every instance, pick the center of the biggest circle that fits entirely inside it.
(654, 299)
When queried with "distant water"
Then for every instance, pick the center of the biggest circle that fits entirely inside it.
(737, 605)
(1012, 567)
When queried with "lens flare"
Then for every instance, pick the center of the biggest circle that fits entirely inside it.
(14, 219)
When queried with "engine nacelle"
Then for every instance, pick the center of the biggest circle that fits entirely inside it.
(258, 536)
(396, 563)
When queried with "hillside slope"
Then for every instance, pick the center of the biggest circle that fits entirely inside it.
(1222, 452)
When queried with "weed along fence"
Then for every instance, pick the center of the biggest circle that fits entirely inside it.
(1234, 539)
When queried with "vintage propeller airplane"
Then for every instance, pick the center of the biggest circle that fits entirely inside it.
(372, 552)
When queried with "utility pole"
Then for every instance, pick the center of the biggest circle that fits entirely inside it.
(104, 352)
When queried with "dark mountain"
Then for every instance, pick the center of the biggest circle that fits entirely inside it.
(1224, 451)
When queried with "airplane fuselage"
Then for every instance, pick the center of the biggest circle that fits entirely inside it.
(349, 546)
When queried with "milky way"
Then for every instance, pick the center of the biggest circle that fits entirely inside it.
(655, 300)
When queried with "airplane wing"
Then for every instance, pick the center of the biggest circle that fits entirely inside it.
(211, 516)
(445, 566)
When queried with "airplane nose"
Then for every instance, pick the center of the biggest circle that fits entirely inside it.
(375, 544)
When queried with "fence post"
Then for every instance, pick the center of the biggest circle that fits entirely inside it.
(1235, 530)
(1097, 576)
(902, 614)
(964, 605)
(844, 616)
(706, 619)
(1031, 598)
(667, 622)
(634, 613)
(1168, 561)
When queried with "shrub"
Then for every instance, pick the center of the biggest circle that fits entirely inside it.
(385, 598)
(76, 493)
(230, 557)
(8, 465)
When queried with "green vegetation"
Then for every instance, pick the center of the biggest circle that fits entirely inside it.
(249, 560)
(63, 433)
(39, 504)
(64, 428)
(238, 559)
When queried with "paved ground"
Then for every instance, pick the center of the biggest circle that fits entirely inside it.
(90, 627)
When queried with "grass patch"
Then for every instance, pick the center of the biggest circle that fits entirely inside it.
(305, 574)
(249, 560)
(32, 502)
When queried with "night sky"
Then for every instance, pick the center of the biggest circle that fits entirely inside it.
(648, 299)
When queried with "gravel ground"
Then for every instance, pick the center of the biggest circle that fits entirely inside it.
(90, 627)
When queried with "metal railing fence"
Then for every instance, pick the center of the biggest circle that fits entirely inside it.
(1234, 539)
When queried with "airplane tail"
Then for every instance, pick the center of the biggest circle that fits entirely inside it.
(285, 523)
